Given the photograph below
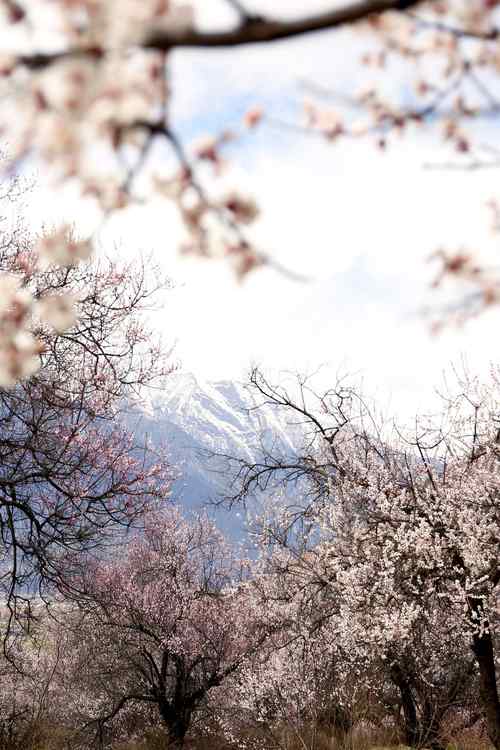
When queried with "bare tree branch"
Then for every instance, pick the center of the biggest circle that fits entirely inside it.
(268, 30)
(252, 30)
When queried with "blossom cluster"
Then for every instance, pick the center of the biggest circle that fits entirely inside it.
(20, 349)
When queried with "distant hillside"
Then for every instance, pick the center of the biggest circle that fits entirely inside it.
(194, 417)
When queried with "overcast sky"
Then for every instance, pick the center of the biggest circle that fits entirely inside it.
(359, 222)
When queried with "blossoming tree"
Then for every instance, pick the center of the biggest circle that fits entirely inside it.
(161, 627)
(71, 475)
(403, 534)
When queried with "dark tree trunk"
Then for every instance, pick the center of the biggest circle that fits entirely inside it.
(177, 733)
(482, 646)
(430, 723)
(411, 724)
(177, 720)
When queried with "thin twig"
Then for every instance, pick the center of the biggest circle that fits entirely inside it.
(459, 33)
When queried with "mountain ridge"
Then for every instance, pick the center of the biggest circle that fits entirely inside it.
(195, 418)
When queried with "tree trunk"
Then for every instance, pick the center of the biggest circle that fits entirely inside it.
(177, 734)
(430, 724)
(177, 721)
(482, 646)
(412, 729)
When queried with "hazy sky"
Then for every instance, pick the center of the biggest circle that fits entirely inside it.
(359, 222)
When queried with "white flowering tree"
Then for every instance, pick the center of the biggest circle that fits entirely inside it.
(397, 542)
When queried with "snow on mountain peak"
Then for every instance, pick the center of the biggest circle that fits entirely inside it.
(193, 418)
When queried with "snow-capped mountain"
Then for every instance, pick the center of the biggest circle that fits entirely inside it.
(194, 418)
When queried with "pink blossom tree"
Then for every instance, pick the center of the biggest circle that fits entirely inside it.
(160, 627)
(71, 475)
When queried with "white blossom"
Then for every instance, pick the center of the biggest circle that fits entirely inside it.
(58, 310)
(60, 249)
